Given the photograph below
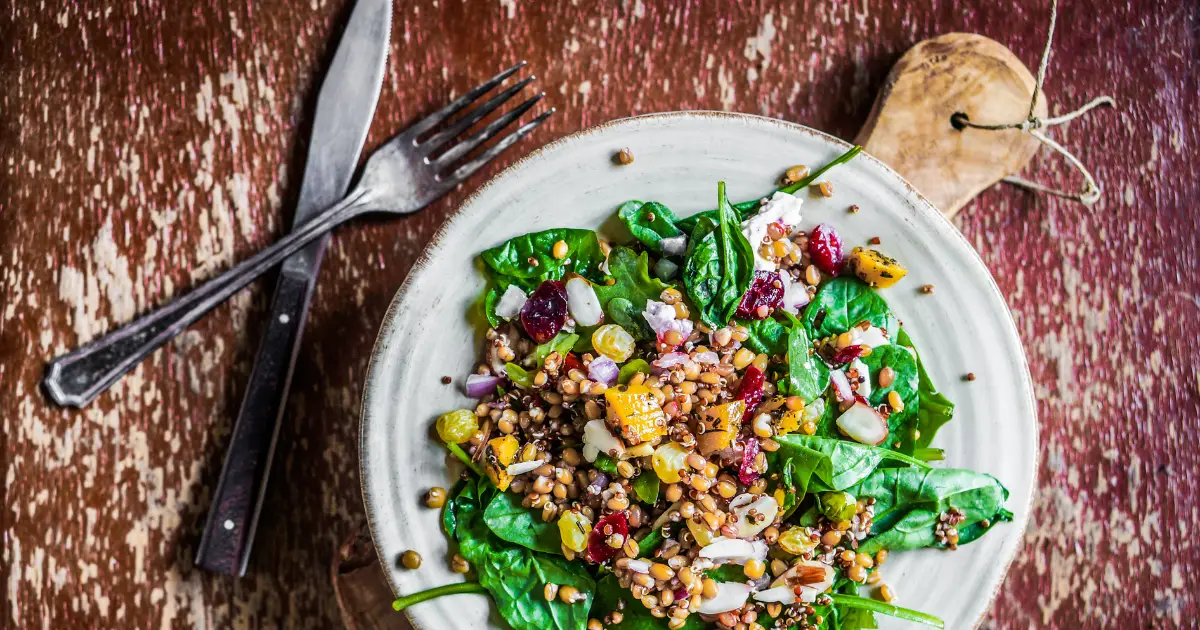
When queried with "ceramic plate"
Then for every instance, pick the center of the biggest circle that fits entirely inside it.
(679, 158)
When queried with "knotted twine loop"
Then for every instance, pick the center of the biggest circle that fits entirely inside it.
(1033, 126)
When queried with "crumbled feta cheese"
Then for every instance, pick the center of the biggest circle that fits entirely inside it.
(872, 337)
(781, 207)
(510, 304)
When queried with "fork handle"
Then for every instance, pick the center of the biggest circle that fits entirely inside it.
(76, 378)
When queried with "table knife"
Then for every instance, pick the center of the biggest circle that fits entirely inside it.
(345, 107)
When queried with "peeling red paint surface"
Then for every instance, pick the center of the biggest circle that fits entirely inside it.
(146, 145)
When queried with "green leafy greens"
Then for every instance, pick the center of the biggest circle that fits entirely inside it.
(910, 501)
(747, 209)
(821, 463)
(719, 265)
(624, 300)
(933, 409)
(514, 575)
(807, 377)
(843, 302)
(510, 262)
(649, 223)
(515, 523)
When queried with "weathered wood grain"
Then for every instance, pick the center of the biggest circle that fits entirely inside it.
(146, 144)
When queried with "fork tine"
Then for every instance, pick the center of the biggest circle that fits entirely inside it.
(481, 136)
(430, 121)
(468, 169)
(444, 136)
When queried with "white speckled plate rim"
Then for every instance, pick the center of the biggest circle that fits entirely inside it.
(942, 226)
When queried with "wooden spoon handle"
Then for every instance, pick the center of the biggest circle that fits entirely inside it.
(909, 126)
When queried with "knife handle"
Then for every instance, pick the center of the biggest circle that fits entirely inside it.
(233, 518)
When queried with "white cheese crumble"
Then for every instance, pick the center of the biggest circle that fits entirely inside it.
(781, 207)
(861, 386)
(872, 336)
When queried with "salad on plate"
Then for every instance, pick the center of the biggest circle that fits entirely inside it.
(718, 423)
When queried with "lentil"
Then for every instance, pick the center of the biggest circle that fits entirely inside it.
(410, 559)
(436, 497)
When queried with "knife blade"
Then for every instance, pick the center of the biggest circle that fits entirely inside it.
(345, 107)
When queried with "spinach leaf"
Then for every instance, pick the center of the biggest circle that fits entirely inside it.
(905, 384)
(843, 302)
(747, 209)
(798, 470)
(727, 573)
(909, 502)
(719, 265)
(631, 368)
(609, 596)
(489, 306)
(822, 463)
(518, 375)
(846, 605)
(510, 260)
(808, 377)
(855, 619)
(562, 343)
(646, 487)
(933, 410)
(625, 299)
(605, 463)
(649, 222)
(647, 545)
(767, 336)
(511, 521)
(702, 264)
(514, 575)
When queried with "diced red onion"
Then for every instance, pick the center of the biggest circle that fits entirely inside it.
(599, 483)
(603, 370)
(708, 357)
(670, 360)
(661, 318)
(479, 385)
(747, 474)
(795, 294)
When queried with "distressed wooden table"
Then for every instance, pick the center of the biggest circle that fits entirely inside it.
(147, 144)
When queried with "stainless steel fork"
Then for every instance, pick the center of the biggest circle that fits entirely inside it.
(402, 176)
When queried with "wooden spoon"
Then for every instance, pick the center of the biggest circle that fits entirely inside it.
(909, 126)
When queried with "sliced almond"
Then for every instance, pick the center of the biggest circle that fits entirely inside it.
(863, 424)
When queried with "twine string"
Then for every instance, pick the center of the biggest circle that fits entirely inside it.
(1033, 125)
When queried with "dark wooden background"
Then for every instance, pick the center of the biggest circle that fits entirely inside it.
(147, 144)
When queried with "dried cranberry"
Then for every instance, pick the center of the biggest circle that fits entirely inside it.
(571, 362)
(545, 312)
(766, 289)
(747, 474)
(598, 549)
(847, 354)
(825, 249)
(751, 390)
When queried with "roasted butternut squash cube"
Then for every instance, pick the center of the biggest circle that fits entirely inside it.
(726, 420)
(499, 454)
(789, 422)
(875, 268)
(637, 412)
